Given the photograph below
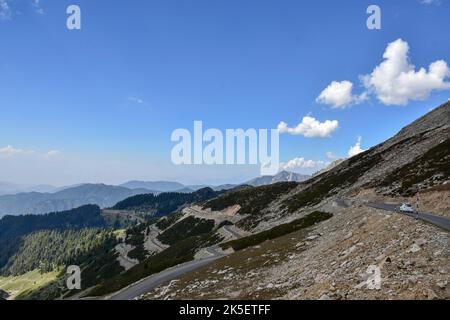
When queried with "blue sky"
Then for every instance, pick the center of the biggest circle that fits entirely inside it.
(99, 104)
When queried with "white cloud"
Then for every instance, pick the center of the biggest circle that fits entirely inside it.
(430, 2)
(10, 151)
(52, 154)
(337, 94)
(302, 163)
(5, 10)
(137, 100)
(37, 6)
(356, 149)
(395, 81)
(340, 95)
(331, 156)
(311, 128)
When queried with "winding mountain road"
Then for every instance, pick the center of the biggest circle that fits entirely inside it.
(143, 286)
(139, 288)
(441, 222)
(232, 232)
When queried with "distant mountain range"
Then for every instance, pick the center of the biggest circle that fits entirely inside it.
(12, 188)
(167, 186)
(283, 176)
(19, 200)
(156, 186)
(39, 203)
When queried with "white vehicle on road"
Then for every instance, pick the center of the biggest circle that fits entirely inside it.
(406, 207)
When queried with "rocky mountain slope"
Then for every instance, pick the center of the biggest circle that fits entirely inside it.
(359, 253)
(332, 165)
(283, 176)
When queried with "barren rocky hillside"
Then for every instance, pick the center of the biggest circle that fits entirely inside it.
(360, 253)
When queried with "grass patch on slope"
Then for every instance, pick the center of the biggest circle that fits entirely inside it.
(27, 282)
(278, 231)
